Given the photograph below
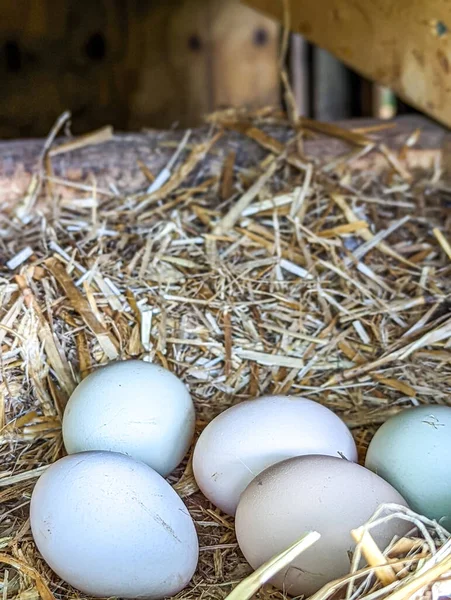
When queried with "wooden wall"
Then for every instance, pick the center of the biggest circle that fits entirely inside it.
(131, 63)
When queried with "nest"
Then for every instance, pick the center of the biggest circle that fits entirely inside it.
(279, 275)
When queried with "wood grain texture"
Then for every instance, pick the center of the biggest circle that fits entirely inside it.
(403, 44)
(245, 47)
(117, 162)
(130, 63)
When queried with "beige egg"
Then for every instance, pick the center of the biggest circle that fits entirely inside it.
(312, 493)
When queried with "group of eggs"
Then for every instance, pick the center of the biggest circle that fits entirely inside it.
(106, 521)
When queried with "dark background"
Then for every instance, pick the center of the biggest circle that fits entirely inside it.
(143, 64)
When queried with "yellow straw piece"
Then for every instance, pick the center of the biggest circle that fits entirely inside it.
(249, 586)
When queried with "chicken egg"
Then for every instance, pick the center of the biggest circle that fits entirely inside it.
(112, 526)
(245, 439)
(133, 407)
(312, 493)
(411, 451)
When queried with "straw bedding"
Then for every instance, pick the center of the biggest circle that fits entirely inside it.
(284, 275)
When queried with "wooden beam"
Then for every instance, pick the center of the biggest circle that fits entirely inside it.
(403, 44)
(117, 162)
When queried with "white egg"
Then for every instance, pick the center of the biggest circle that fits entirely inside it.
(133, 407)
(112, 526)
(251, 436)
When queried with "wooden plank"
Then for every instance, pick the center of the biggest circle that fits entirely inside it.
(131, 64)
(403, 44)
(172, 84)
(245, 47)
(299, 72)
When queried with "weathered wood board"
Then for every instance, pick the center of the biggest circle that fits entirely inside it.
(117, 162)
(131, 64)
(403, 44)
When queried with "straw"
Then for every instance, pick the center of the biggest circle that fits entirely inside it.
(245, 274)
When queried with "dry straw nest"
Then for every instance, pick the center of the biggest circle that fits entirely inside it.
(245, 275)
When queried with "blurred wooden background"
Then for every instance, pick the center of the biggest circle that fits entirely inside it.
(157, 63)
(131, 63)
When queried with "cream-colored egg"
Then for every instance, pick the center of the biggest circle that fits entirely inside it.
(112, 526)
(312, 493)
(245, 439)
(134, 407)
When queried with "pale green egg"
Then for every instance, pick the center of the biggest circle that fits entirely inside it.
(412, 451)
